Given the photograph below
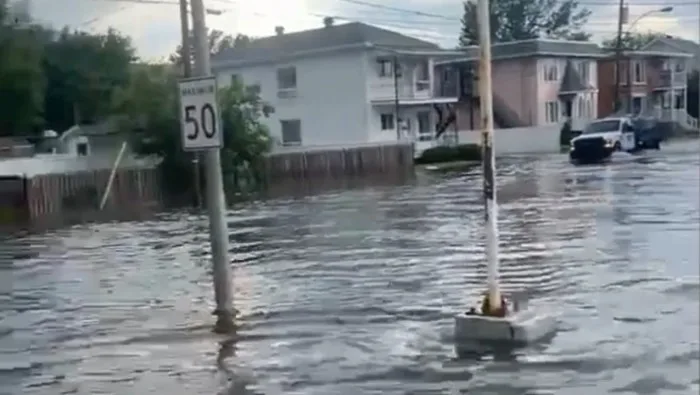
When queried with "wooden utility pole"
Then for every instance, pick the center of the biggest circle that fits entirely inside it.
(618, 55)
(186, 59)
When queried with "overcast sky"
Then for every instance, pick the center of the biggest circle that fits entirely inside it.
(155, 28)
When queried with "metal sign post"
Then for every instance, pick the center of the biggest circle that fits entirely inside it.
(201, 130)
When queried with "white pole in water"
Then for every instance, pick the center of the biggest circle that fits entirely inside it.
(488, 160)
(216, 201)
(112, 174)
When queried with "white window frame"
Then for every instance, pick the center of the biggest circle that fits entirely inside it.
(639, 78)
(550, 72)
(386, 121)
(551, 111)
(286, 89)
(679, 99)
(385, 68)
(290, 123)
(425, 135)
(666, 65)
(584, 71)
(679, 66)
(667, 100)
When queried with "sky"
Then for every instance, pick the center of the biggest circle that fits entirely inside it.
(155, 28)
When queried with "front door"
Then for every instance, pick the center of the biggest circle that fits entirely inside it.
(424, 129)
(637, 105)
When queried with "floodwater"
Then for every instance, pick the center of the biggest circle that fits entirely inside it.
(353, 292)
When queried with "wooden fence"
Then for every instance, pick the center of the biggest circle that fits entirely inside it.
(336, 163)
(49, 199)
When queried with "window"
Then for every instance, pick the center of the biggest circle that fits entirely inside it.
(551, 72)
(291, 132)
(679, 100)
(666, 100)
(582, 108)
(387, 121)
(639, 77)
(606, 126)
(584, 71)
(422, 69)
(82, 149)
(287, 78)
(665, 65)
(386, 68)
(680, 66)
(551, 112)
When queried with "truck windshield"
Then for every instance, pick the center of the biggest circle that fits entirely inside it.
(612, 125)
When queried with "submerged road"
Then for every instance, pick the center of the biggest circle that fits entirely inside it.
(353, 292)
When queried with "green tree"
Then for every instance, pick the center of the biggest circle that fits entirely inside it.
(21, 78)
(631, 41)
(246, 139)
(526, 19)
(218, 41)
(83, 71)
(151, 112)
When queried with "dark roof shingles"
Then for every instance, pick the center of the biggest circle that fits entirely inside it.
(571, 81)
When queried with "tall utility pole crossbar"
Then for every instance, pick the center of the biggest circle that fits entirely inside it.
(216, 201)
(618, 56)
(489, 159)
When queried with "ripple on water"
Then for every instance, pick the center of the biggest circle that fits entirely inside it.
(354, 291)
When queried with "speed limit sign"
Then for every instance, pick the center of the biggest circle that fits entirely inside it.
(199, 114)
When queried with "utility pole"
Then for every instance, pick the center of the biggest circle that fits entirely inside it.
(488, 156)
(186, 60)
(618, 55)
(396, 97)
(216, 201)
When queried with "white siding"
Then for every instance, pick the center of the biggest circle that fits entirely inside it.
(331, 99)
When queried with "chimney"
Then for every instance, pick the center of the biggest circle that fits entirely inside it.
(279, 30)
(328, 21)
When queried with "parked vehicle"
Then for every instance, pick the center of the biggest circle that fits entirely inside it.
(603, 137)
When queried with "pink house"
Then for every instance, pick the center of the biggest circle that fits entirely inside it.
(535, 83)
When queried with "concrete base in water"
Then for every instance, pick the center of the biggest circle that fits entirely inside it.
(521, 328)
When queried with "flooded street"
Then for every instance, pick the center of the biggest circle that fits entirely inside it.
(354, 292)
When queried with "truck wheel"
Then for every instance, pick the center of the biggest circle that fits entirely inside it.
(617, 146)
(656, 145)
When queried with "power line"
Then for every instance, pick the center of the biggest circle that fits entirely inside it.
(101, 17)
(402, 24)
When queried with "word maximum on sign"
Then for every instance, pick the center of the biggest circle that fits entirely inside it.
(199, 114)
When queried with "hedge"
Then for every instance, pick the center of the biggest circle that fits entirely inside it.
(463, 152)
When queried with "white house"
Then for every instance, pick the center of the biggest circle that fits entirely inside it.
(337, 85)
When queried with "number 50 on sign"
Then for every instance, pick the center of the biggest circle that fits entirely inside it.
(199, 114)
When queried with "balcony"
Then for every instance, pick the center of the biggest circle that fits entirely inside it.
(385, 91)
(668, 79)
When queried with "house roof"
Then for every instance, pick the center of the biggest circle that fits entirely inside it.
(571, 81)
(270, 48)
(673, 44)
(534, 47)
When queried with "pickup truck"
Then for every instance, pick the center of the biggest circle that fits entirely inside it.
(602, 137)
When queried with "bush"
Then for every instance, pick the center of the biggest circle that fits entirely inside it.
(463, 152)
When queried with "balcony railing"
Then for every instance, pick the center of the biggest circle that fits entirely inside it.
(667, 79)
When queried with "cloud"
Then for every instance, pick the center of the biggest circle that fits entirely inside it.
(155, 28)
